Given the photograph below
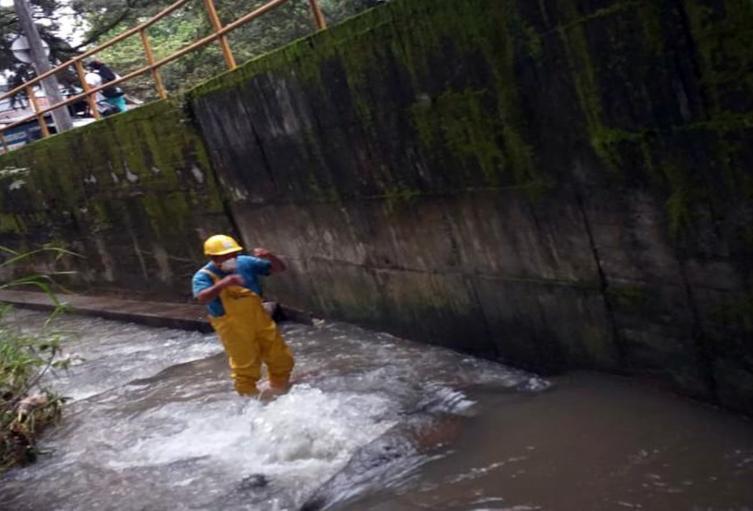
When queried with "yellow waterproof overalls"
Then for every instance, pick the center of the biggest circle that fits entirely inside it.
(250, 337)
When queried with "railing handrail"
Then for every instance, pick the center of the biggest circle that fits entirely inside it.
(89, 92)
(99, 48)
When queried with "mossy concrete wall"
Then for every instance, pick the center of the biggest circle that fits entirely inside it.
(133, 195)
(552, 183)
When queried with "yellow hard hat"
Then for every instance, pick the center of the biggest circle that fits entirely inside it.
(220, 244)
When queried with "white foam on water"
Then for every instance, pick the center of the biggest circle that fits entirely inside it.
(125, 354)
(178, 434)
(304, 436)
(440, 398)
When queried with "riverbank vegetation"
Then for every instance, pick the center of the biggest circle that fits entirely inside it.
(27, 354)
(27, 407)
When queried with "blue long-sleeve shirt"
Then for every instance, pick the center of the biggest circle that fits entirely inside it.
(249, 267)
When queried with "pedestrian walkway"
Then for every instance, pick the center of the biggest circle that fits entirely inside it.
(186, 316)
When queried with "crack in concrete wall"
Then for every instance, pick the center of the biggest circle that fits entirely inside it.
(549, 137)
(554, 184)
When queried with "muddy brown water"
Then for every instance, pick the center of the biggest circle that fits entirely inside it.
(373, 423)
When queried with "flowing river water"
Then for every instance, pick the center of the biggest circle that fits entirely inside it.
(373, 422)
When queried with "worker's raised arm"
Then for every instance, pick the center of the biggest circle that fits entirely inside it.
(276, 263)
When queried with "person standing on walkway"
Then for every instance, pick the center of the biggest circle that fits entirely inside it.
(20, 76)
(100, 73)
(229, 286)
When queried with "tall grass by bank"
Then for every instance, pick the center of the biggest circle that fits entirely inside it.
(27, 353)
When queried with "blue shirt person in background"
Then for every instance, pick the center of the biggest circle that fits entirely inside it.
(230, 288)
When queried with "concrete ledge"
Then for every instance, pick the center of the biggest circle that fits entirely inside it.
(184, 316)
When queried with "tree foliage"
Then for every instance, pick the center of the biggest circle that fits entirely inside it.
(47, 11)
(100, 20)
(51, 16)
(272, 30)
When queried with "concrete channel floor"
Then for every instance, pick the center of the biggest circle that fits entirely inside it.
(185, 316)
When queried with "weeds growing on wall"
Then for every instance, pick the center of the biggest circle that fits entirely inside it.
(27, 353)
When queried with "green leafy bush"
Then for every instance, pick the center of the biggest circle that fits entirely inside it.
(27, 405)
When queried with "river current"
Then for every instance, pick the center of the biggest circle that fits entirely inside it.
(373, 422)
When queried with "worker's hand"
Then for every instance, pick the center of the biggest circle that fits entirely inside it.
(277, 264)
(232, 280)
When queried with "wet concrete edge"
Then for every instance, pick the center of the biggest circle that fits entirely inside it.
(183, 316)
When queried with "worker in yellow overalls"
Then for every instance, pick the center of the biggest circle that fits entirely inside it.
(229, 286)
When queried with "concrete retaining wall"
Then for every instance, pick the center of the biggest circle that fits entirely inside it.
(133, 195)
(554, 184)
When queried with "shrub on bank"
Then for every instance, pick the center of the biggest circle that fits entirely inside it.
(27, 405)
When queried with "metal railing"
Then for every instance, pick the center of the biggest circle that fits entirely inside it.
(219, 33)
